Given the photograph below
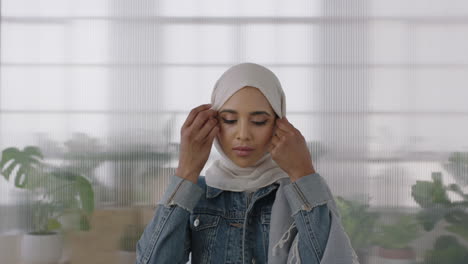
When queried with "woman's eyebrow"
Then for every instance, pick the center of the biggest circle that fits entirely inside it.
(251, 113)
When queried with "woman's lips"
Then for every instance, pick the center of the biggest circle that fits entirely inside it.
(242, 153)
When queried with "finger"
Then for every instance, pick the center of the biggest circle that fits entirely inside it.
(206, 129)
(213, 134)
(193, 114)
(285, 126)
(275, 140)
(202, 117)
(280, 132)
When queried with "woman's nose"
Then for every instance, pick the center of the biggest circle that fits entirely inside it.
(243, 132)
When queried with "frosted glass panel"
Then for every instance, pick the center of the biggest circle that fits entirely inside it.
(208, 43)
(94, 93)
(290, 43)
(54, 88)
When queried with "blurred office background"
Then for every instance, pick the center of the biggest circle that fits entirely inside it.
(93, 94)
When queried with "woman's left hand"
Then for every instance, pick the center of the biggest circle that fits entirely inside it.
(289, 150)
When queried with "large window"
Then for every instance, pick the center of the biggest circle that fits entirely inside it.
(101, 88)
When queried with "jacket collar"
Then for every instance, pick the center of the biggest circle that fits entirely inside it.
(212, 192)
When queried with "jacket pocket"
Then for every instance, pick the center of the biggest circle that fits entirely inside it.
(198, 222)
(204, 229)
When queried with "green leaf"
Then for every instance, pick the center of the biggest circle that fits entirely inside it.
(20, 165)
(79, 188)
(53, 224)
(86, 194)
(457, 189)
(427, 194)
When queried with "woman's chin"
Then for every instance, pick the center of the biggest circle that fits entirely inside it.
(243, 163)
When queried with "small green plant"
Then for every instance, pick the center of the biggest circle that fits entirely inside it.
(399, 234)
(433, 197)
(130, 237)
(55, 191)
(436, 205)
(357, 221)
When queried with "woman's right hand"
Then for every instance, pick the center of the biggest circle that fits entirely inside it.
(197, 135)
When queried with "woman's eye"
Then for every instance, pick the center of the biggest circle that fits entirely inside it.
(260, 123)
(256, 123)
(229, 121)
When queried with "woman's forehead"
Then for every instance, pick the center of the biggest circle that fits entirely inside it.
(247, 100)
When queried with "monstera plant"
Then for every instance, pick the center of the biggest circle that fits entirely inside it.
(54, 192)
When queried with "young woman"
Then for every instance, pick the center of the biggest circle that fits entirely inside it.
(262, 202)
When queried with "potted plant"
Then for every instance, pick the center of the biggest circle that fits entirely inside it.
(436, 206)
(127, 243)
(433, 197)
(54, 193)
(393, 240)
(359, 224)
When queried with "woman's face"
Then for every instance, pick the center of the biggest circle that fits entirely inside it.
(246, 120)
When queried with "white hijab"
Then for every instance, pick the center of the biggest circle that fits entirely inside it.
(224, 173)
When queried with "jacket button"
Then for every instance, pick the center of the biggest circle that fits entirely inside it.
(196, 222)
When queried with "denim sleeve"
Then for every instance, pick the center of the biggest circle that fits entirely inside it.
(169, 229)
(321, 235)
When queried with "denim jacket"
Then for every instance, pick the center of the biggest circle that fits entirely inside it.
(210, 222)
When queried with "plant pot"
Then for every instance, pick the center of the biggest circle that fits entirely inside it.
(126, 257)
(396, 255)
(41, 248)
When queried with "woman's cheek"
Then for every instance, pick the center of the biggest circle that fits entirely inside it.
(225, 132)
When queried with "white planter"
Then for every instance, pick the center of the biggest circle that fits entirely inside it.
(41, 249)
(126, 257)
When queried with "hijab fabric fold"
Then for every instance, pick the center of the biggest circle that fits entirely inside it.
(226, 175)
